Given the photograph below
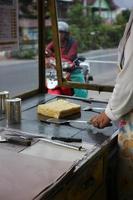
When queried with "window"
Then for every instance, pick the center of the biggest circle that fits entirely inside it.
(18, 46)
(98, 36)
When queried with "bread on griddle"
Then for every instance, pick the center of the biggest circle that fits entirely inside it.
(58, 109)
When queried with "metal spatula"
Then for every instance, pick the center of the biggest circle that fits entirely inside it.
(65, 121)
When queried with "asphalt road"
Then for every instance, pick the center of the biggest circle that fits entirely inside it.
(103, 65)
(20, 76)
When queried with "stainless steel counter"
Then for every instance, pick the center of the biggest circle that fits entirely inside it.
(97, 143)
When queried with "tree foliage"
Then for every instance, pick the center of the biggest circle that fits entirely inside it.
(123, 17)
(92, 32)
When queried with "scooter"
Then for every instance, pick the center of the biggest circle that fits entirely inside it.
(79, 67)
(84, 65)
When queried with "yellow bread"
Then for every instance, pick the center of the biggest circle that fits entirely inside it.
(58, 109)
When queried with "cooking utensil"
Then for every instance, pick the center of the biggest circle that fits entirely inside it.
(26, 142)
(64, 139)
(65, 121)
(67, 139)
(13, 110)
(20, 140)
(3, 96)
(94, 109)
(16, 133)
(63, 144)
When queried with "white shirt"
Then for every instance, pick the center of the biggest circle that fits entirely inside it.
(121, 101)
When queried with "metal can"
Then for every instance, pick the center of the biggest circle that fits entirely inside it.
(13, 110)
(3, 96)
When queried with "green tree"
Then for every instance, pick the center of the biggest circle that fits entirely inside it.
(121, 21)
(84, 27)
(123, 17)
(92, 32)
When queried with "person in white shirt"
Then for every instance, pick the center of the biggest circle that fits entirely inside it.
(120, 108)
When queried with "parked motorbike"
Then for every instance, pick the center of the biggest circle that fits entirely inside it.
(70, 70)
(84, 65)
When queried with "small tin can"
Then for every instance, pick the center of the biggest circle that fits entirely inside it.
(13, 110)
(3, 96)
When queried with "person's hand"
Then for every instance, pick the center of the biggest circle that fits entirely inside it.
(50, 62)
(48, 53)
(100, 121)
(47, 63)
